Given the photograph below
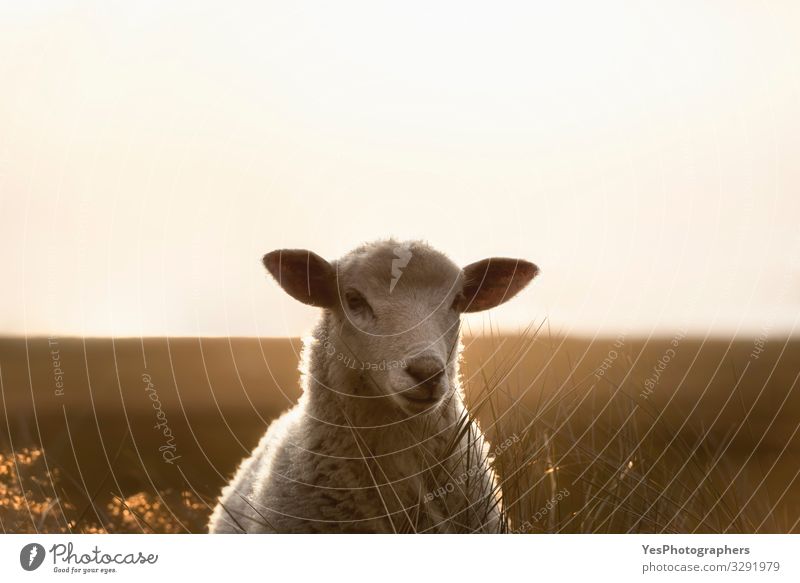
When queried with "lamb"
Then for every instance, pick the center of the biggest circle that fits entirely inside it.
(380, 440)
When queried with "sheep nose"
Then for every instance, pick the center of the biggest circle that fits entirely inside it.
(427, 371)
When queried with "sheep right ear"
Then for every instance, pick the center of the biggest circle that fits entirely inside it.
(304, 275)
(496, 280)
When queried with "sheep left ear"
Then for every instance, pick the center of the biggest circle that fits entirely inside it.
(304, 275)
(491, 282)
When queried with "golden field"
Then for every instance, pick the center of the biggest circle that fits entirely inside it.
(675, 434)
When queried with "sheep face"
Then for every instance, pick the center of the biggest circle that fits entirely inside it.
(394, 313)
(398, 316)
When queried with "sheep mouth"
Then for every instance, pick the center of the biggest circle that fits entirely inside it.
(422, 401)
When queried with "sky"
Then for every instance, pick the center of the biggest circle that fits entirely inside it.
(643, 155)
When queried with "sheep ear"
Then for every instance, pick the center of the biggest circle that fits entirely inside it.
(490, 282)
(304, 275)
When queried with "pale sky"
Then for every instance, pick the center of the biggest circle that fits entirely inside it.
(645, 156)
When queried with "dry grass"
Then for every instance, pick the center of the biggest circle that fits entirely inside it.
(625, 470)
(575, 453)
(29, 505)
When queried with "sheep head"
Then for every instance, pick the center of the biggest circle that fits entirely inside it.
(395, 311)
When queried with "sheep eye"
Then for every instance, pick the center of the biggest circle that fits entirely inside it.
(356, 303)
(459, 302)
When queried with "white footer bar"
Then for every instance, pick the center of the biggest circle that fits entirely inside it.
(355, 558)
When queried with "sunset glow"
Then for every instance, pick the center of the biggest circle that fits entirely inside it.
(646, 159)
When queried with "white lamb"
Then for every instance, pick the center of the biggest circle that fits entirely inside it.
(380, 440)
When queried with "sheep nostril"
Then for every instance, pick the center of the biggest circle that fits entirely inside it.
(428, 372)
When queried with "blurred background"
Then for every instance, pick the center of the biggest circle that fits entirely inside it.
(644, 155)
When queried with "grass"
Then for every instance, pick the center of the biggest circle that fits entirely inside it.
(575, 451)
(629, 469)
(30, 505)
